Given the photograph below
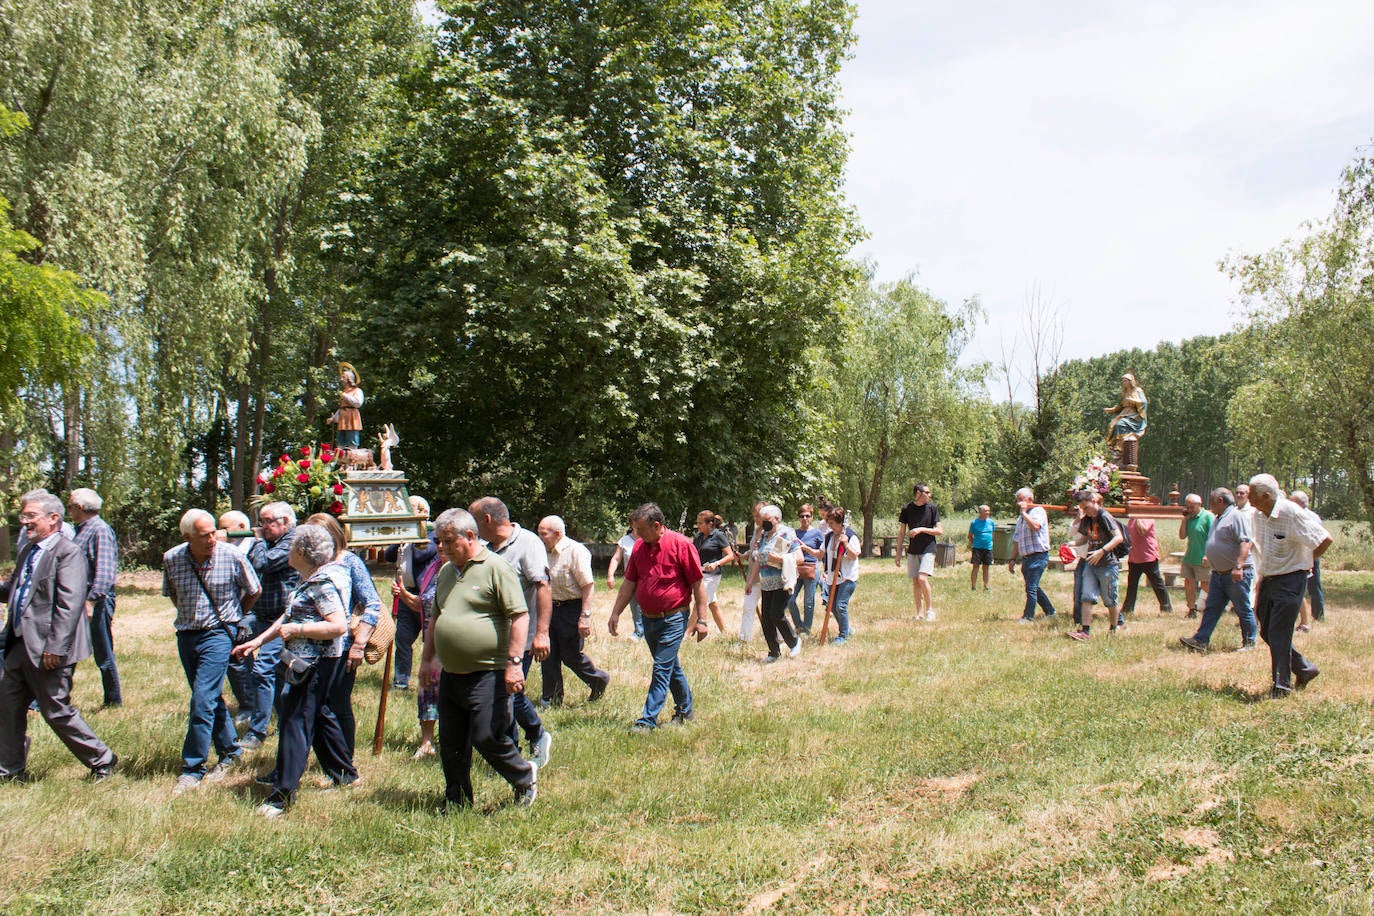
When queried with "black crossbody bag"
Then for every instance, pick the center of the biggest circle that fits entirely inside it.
(240, 632)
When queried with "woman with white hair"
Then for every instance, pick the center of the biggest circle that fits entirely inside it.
(778, 549)
(312, 630)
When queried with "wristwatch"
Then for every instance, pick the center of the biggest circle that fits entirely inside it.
(514, 660)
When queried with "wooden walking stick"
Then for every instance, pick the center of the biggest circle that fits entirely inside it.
(830, 595)
(386, 686)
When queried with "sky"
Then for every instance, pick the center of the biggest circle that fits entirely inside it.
(1099, 157)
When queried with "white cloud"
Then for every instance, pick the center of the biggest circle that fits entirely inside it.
(1108, 155)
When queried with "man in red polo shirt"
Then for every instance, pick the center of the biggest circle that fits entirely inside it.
(664, 576)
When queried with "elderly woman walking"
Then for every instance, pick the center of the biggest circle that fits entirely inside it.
(312, 630)
(778, 548)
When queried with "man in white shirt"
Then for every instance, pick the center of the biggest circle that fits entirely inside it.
(1289, 539)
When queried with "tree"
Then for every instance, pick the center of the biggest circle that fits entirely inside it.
(899, 404)
(1314, 298)
(602, 245)
(41, 340)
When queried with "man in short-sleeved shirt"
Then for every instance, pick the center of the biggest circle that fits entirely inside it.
(205, 638)
(1193, 530)
(664, 574)
(1289, 539)
(470, 652)
(917, 527)
(571, 584)
(980, 532)
(1229, 556)
(523, 550)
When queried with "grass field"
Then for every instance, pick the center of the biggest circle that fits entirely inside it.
(968, 765)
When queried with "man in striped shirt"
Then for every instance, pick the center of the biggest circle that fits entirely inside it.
(97, 542)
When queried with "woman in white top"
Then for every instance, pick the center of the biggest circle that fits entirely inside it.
(841, 540)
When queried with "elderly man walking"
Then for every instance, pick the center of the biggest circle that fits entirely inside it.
(523, 550)
(571, 584)
(45, 636)
(1290, 538)
(97, 541)
(1229, 546)
(213, 587)
(271, 559)
(1193, 530)
(472, 651)
(664, 575)
(1031, 542)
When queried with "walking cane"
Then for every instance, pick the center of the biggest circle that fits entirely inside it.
(830, 595)
(386, 686)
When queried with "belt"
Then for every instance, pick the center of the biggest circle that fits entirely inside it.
(564, 603)
(676, 610)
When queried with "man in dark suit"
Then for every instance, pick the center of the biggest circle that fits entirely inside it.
(45, 636)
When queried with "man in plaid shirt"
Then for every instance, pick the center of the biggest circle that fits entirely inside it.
(213, 587)
(97, 542)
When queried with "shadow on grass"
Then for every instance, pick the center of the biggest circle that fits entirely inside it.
(1232, 692)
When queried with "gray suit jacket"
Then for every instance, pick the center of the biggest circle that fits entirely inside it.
(56, 618)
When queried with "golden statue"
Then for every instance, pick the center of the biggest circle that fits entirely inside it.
(1128, 422)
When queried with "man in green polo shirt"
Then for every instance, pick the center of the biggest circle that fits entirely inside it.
(479, 615)
(1193, 530)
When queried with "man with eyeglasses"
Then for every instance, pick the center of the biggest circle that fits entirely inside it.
(45, 636)
(270, 556)
(812, 538)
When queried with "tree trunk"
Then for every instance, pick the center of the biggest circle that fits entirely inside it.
(239, 469)
(71, 428)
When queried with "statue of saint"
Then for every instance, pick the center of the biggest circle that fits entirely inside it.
(1128, 422)
(348, 420)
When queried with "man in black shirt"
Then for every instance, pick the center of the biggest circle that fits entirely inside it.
(918, 526)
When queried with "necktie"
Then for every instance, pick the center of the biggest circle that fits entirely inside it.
(22, 587)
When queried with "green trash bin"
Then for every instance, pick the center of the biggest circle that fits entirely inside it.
(1002, 542)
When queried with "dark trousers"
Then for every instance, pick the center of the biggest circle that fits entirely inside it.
(102, 647)
(774, 605)
(1314, 591)
(1277, 607)
(341, 703)
(408, 625)
(565, 648)
(305, 718)
(1151, 572)
(21, 683)
(475, 712)
(525, 716)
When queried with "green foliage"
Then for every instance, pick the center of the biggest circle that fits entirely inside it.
(1313, 301)
(600, 247)
(900, 405)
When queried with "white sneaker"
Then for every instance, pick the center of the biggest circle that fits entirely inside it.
(270, 811)
(222, 769)
(930, 614)
(186, 783)
(540, 757)
(795, 650)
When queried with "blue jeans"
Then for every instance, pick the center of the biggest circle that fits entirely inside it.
(663, 636)
(1033, 566)
(205, 658)
(844, 590)
(1221, 588)
(524, 717)
(261, 682)
(407, 629)
(638, 618)
(102, 647)
(805, 616)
